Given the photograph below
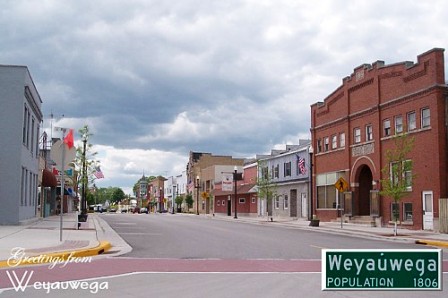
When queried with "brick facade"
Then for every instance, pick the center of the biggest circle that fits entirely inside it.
(354, 127)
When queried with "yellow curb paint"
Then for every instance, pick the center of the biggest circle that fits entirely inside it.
(433, 242)
(103, 247)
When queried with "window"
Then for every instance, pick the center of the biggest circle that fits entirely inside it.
(426, 118)
(398, 124)
(286, 202)
(334, 142)
(287, 169)
(407, 212)
(342, 139)
(218, 203)
(369, 132)
(242, 200)
(401, 175)
(32, 136)
(223, 202)
(386, 128)
(37, 142)
(326, 192)
(357, 134)
(277, 202)
(254, 200)
(264, 173)
(326, 144)
(276, 171)
(22, 186)
(272, 172)
(411, 121)
(408, 174)
(25, 124)
(319, 145)
(394, 211)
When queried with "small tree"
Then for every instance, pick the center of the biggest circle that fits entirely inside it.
(189, 200)
(398, 173)
(266, 188)
(179, 200)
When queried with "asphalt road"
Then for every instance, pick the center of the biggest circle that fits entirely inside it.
(196, 256)
(199, 237)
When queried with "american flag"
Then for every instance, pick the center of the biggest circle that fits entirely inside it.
(98, 174)
(301, 165)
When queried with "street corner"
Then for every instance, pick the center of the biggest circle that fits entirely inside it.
(19, 258)
(438, 243)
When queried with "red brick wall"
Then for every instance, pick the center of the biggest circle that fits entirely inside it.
(372, 94)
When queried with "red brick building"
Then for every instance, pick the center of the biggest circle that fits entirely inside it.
(247, 202)
(355, 126)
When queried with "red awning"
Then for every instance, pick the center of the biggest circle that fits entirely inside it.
(48, 179)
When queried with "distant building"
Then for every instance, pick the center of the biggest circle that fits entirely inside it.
(288, 170)
(20, 117)
(198, 162)
(224, 191)
(355, 126)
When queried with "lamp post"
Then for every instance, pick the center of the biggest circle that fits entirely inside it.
(235, 178)
(197, 186)
(174, 193)
(311, 151)
(84, 180)
(161, 207)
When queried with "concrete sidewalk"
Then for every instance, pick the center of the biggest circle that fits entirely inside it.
(42, 238)
(364, 231)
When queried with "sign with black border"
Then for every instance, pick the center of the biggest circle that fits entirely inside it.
(382, 269)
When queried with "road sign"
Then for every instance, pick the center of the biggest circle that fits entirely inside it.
(381, 269)
(56, 154)
(341, 184)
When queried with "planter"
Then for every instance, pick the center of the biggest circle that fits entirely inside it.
(314, 222)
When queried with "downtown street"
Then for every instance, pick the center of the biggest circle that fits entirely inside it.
(198, 256)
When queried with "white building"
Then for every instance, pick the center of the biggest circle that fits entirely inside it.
(20, 118)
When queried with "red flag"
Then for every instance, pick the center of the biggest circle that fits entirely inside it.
(69, 139)
(55, 171)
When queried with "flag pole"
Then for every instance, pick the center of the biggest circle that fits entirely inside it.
(62, 183)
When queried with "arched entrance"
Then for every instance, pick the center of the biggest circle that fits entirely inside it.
(365, 186)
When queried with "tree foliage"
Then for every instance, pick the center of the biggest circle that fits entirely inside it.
(266, 187)
(189, 200)
(88, 158)
(397, 172)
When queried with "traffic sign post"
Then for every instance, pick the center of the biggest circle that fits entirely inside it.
(341, 185)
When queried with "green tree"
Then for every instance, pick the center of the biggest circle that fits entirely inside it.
(397, 173)
(189, 200)
(179, 200)
(85, 164)
(267, 189)
(117, 195)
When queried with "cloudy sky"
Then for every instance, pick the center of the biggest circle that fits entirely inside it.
(156, 79)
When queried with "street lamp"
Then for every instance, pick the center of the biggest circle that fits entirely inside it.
(83, 206)
(161, 207)
(235, 178)
(174, 193)
(197, 186)
(311, 151)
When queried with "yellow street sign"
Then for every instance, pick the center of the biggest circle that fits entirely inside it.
(341, 184)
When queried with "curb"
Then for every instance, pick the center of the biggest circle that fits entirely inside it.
(432, 242)
(57, 257)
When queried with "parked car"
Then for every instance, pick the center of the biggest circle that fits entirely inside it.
(124, 210)
(144, 210)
